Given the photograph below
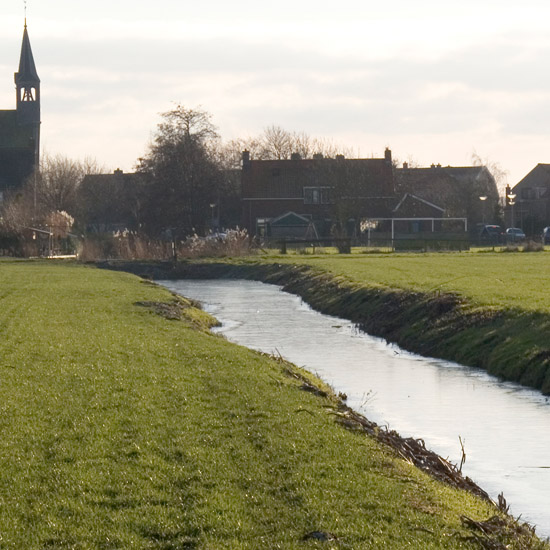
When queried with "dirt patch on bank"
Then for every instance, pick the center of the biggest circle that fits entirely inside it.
(172, 311)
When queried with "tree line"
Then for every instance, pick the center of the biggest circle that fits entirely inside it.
(187, 182)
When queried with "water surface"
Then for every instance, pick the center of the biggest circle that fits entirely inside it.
(504, 427)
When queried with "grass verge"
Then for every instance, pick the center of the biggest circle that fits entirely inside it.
(126, 425)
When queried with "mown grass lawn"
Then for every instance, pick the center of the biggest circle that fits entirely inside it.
(122, 429)
(502, 279)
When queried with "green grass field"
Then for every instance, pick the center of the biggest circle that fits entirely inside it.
(508, 280)
(122, 429)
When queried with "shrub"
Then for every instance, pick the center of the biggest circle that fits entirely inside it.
(11, 243)
(533, 246)
(234, 242)
(126, 245)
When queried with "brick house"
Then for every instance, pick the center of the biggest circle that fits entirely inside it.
(457, 189)
(531, 205)
(325, 191)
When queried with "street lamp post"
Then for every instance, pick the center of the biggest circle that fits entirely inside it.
(511, 202)
(212, 206)
(483, 198)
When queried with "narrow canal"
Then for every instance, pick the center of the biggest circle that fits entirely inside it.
(504, 427)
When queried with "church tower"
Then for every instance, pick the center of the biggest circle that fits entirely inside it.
(20, 127)
(28, 93)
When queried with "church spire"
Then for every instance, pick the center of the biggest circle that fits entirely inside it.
(27, 69)
(27, 84)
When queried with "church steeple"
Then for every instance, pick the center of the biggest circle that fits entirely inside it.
(27, 84)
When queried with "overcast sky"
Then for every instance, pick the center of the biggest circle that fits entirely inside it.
(435, 81)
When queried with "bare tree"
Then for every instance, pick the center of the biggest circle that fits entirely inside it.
(231, 152)
(182, 123)
(307, 146)
(55, 183)
(500, 175)
(17, 212)
(276, 143)
(50, 189)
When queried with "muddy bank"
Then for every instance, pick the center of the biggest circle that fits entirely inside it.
(511, 344)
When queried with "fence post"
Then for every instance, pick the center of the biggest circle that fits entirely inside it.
(174, 251)
(283, 246)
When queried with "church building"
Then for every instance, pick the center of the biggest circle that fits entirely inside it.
(20, 127)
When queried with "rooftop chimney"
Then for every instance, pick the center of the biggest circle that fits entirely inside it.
(387, 155)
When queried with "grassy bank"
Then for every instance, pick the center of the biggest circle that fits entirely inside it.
(486, 310)
(513, 280)
(126, 425)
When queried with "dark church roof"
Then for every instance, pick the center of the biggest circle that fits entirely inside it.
(27, 68)
(13, 135)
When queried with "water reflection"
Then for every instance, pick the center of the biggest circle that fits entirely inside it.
(503, 425)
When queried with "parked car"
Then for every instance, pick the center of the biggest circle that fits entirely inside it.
(491, 234)
(514, 235)
(546, 235)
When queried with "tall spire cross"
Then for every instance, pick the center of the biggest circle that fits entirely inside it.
(25, 2)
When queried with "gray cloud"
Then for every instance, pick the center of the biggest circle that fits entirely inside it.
(254, 85)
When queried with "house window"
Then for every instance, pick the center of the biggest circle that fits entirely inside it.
(311, 195)
(316, 195)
